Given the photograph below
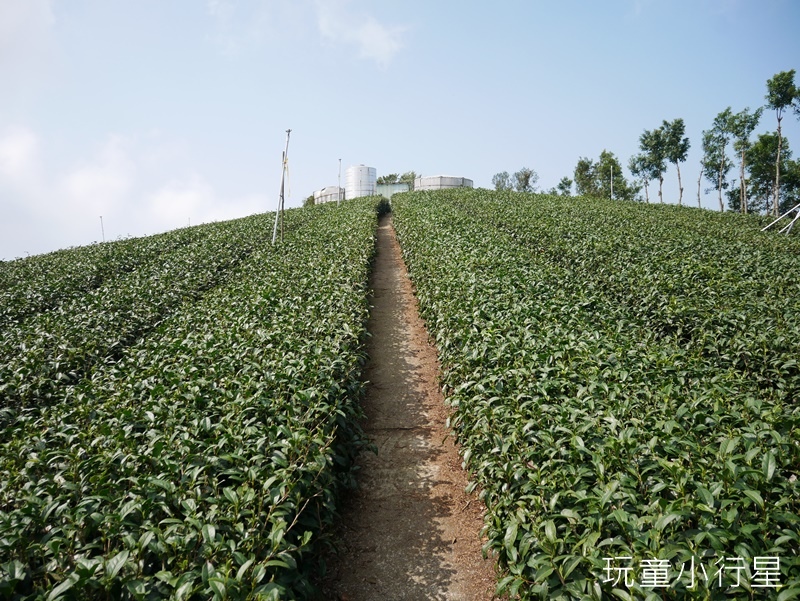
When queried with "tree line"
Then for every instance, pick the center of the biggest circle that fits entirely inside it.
(768, 179)
(395, 178)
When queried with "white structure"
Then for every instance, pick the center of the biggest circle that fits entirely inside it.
(328, 194)
(360, 181)
(389, 190)
(439, 182)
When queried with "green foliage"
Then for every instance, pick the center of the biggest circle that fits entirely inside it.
(394, 178)
(391, 178)
(408, 178)
(624, 382)
(654, 147)
(762, 155)
(200, 458)
(675, 143)
(383, 208)
(502, 181)
(782, 93)
(594, 178)
(564, 187)
(716, 163)
(585, 182)
(47, 345)
(525, 180)
(36, 284)
(644, 170)
(742, 125)
(676, 147)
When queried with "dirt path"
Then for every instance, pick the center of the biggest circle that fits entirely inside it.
(410, 531)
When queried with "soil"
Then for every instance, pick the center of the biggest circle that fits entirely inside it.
(410, 531)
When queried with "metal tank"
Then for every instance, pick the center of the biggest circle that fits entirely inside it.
(328, 194)
(360, 180)
(440, 182)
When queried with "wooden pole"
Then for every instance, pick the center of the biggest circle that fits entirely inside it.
(279, 212)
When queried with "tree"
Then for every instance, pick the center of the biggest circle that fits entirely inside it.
(585, 184)
(715, 153)
(502, 181)
(564, 187)
(741, 126)
(762, 156)
(653, 145)
(408, 178)
(394, 178)
(781, 93)
(676, 148)
(595, 178)
(384, 180)
(611, 180)
(525, 180)
(309, 202)
(644, 170)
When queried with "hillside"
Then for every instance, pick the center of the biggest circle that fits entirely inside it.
(180, 414)
(625, 384)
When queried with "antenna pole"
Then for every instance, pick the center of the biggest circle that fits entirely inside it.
(279, 212)
(612, 182)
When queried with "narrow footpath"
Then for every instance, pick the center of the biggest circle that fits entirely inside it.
(410, 532)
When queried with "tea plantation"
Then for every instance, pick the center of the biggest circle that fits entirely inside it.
(179, 412)
(625, 387)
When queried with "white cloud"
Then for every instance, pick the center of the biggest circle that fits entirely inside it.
(177, 200)
(46, 207)
(19, 150)
(101, 183)
(242, 26)
(374, 40)
(193, 200)
(222, 13)
(220, 9)
(25, 31)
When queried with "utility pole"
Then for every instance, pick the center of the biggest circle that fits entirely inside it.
(339, 191)
(612, 182)
(102, 229)
(279, 212)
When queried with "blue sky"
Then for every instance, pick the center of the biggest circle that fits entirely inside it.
(158, 114)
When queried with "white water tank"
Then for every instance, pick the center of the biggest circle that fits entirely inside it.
(439, 182)
(360, 181)
(328, 194)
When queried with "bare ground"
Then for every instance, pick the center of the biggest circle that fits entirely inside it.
(410, 532)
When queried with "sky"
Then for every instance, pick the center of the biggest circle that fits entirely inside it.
(126, 118)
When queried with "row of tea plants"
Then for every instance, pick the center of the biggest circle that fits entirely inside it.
(84, 305)
(199, 454)
(624, 382)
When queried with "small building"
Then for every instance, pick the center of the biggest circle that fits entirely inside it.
(441, 182)
(328, 194)
(388, 190)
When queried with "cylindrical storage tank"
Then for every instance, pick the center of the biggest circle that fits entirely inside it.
(439, 182)
(328, 194)
(360, 181)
